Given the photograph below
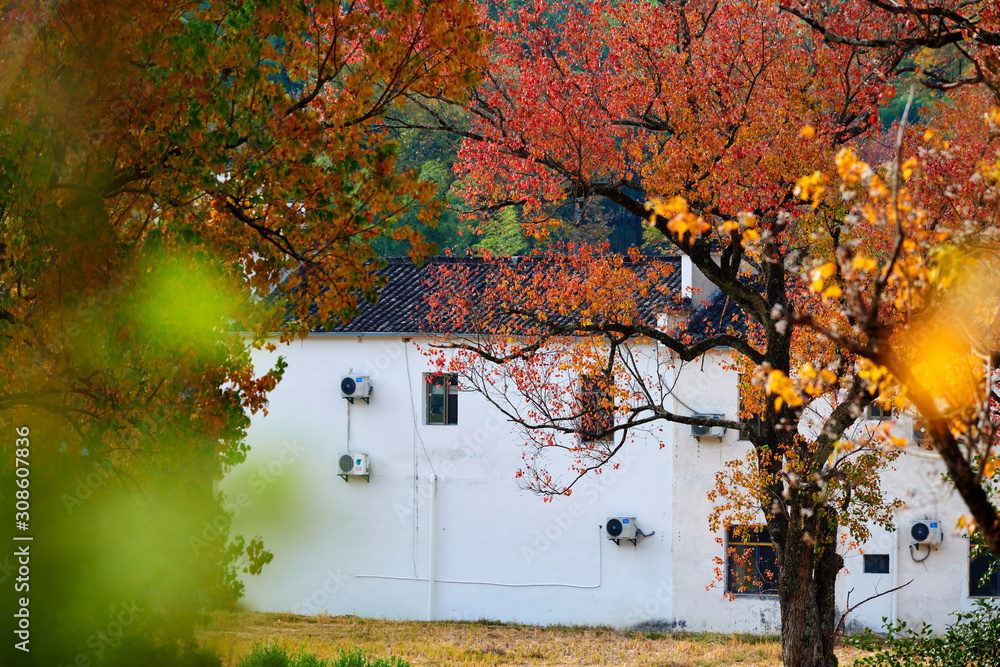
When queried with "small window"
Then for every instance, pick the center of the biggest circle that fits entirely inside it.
(876, 411)
(876, 563)
(984, 573)
(596, 406)
(751, 566)
(442, 398)
(919, 431)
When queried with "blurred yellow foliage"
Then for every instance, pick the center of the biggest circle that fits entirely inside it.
(680, 220)
(782, 387)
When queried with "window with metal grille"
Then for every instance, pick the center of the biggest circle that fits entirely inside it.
(751, 566)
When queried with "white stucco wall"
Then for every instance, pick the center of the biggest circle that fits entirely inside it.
(706, 388)
(501, 553)
(939, 583)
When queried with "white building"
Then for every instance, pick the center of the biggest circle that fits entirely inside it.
(438, 529)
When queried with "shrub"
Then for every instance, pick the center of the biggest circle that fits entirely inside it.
(135, 652)
(272, 655)
(973, 639)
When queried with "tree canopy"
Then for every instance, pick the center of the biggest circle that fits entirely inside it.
(724, 126)
(172, 173)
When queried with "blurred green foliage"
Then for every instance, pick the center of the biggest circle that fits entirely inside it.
(971, 640)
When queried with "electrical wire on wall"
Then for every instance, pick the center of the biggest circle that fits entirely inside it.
(413, 489)
(415, 519)
(600, 575)
(914, 559)
(413, 409)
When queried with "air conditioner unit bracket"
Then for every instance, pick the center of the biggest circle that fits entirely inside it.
(346, 478)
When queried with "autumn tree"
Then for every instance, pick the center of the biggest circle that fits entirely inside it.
(699, 118)
(926, 312)
(171, 173)
(953, 44)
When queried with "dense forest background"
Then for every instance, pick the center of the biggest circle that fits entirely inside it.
(460, 230)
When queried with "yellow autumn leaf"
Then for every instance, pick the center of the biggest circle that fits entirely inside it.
(821, 273)
(781, 386)
(729, 226)
(966, 522)
(832, 292)
(811, 188)
(862, 263)
(688, 223)
(849, 167)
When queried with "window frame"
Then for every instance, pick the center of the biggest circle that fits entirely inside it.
(974, 559)
(757, 538)
(449, 402)
(875, 411)
(605, 414)
(882, 558)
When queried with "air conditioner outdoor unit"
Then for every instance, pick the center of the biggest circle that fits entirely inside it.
(708, 431)
(356, 386)
(353, 464)
(926, 531)
(620, 528)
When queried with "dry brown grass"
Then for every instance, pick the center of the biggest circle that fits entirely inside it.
(486, 643)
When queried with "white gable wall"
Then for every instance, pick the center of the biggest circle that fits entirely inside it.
(500, 553)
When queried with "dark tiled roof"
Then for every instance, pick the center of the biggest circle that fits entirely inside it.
(717, 315)
(402, 305)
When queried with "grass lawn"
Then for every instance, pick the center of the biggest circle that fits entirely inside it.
(487, 643)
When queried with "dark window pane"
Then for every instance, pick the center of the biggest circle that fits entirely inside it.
(877, 563)
(877, 411)
(753, 424)
(742, 570)
(983, 576)
(767, 569)
(442, 399)
(750, 561)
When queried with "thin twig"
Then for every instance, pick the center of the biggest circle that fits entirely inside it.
(840, 623)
